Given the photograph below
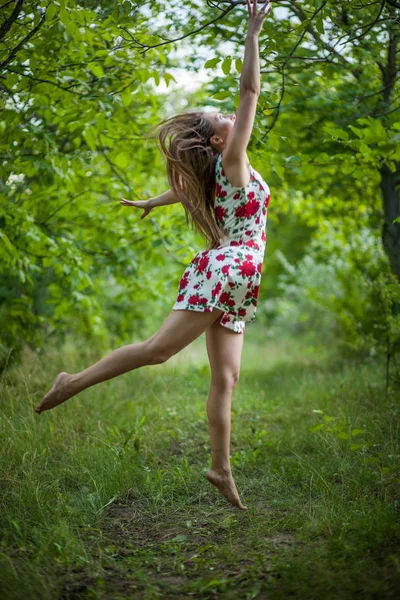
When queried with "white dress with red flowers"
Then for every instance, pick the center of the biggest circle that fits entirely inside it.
(228, 277)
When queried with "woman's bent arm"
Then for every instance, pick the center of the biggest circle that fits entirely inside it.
(167, 197)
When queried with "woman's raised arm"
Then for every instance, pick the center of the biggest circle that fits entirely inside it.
(239, 137)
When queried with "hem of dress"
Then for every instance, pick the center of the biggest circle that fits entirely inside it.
(219, 306)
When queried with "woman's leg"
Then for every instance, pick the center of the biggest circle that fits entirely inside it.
(224, 349)
(180, 328)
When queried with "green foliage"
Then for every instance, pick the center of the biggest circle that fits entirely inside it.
(72, 124)
(77, 98)
(342, 288)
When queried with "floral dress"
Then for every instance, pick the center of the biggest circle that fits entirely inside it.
(228, 277)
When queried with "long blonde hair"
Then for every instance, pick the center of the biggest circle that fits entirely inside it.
(191, 169)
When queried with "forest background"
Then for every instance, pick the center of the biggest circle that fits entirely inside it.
(81, 85)
(315, 415)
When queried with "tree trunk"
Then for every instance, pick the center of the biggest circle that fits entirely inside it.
(390, 184)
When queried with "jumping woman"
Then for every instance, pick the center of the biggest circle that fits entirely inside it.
(209, 173)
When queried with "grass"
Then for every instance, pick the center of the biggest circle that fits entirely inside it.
(314, 454)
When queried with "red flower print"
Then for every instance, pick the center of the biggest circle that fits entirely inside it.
(220, 213)
(267, 200)
(249, 295)
(224, 297)
(242, 312)
(225, 269)
(258, 220)
(231, 284)
(220, 257)
(220, 191)
(251, 244)
(251, 195)
(196, 260)
(217, 289)
(180, 297)
(259, 267)
(237, 260)
(222, 173)
(236, 196)
(195, 299)
(248, 232)
(261, 187)
(240, 212)
(196, 287)
(263, 236)
(256, 289)
(203, 264)
(249, 256)
(251, 208)
(208, 274)
(234, 243)
(184, 281)
(203, 300)
(231, 302)
(247, 268)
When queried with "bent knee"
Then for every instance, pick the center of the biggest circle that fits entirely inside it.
(157, 354)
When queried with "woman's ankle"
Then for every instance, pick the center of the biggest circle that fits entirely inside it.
(223, 470)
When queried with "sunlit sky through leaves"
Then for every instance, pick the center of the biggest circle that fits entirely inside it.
(191, 80)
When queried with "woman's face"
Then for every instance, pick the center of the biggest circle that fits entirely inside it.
(223, 125)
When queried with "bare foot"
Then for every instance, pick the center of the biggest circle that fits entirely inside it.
(223, 480)
(58, 394)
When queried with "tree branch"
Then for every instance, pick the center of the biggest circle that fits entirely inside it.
(393, 3)
(8, 22)
(147, 47)
(21, 44)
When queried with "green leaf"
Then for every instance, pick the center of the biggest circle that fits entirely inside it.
(355, 432)
(64, 17)
(51, 11)
(303, 25)
(354, 447)
(319, 23)
(122, 159)
(280, 171)
(212, 63)
(90, 137)
(168, 77)
(342, 435)
(317, 427)
(226, 65)
(222, 95)
(239, 65)
(96, 69)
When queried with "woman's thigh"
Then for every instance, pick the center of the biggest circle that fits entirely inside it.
(180, 328)
(224, 348)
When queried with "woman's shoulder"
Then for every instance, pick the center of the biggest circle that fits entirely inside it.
(238, 176)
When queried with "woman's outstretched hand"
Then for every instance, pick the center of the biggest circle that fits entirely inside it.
(145, 204)
(256, 18)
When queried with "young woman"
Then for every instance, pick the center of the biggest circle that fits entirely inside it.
(227, 200)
